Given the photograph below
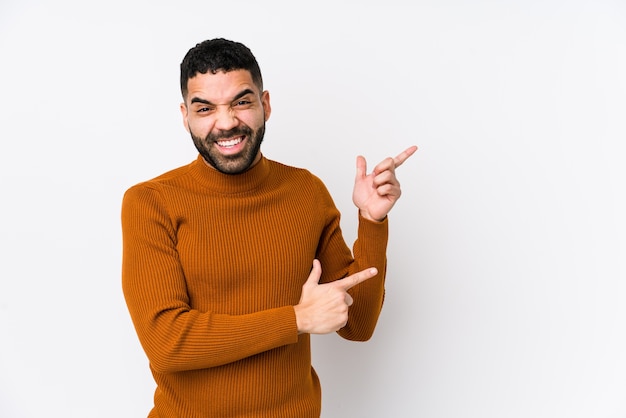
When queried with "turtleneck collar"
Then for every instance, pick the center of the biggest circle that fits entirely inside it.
(230, 183)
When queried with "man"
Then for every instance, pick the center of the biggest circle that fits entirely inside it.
(232, 261)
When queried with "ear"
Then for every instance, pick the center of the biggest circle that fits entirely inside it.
(183, 111)
(265, 101)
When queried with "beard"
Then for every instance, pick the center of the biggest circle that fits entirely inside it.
(230, 164)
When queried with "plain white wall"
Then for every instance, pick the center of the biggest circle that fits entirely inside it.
(506, 281)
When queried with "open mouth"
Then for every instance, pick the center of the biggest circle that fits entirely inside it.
(229, 143)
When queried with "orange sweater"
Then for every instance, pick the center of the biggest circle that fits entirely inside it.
(212, 266)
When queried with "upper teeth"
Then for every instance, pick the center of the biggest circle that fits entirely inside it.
(230, 142)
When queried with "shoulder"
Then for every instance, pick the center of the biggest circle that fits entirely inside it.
(161, 180)
(153, 189)
(302, 185)
(296, 175)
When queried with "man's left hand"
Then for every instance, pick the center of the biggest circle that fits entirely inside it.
(376, 193)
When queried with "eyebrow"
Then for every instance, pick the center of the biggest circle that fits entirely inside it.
(237, 96)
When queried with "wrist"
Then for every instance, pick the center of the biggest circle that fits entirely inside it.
(299, 320)
(366, 215)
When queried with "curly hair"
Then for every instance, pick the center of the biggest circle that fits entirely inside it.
(218, 55)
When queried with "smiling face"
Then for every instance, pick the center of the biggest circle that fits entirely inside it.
(225, 113)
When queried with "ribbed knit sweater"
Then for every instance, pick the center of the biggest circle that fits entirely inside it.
(212, 267)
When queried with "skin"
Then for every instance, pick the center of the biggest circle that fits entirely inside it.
(323, 308)
(225, 113)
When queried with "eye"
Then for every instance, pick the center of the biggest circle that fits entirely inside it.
(204, 109)
(243, 102)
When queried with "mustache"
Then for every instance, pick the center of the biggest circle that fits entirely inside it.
(239, 131)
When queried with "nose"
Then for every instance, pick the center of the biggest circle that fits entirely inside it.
(225, 118)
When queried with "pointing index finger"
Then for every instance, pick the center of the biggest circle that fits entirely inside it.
(359, 277)
(404, 155)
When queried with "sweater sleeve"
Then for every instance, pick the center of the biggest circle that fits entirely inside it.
(369, 250)
(174, 336)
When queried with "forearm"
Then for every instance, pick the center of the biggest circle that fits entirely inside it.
(184, 339)
(369, 251)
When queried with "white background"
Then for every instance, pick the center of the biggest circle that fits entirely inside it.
(506, 281)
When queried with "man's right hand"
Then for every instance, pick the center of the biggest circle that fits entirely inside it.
(323, 308)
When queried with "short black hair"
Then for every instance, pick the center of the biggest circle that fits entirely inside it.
(215, 55)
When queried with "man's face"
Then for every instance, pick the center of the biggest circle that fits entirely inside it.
(225, 114)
